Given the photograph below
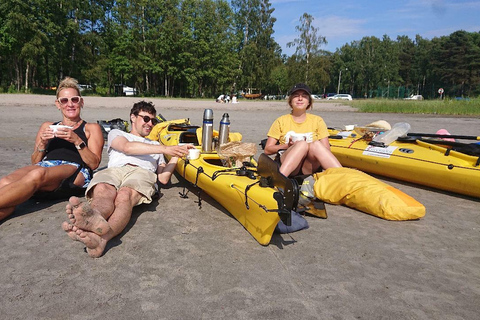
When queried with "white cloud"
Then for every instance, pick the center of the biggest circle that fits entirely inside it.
(336, 26)
(351, 20)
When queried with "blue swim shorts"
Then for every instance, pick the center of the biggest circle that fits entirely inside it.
(54, 163)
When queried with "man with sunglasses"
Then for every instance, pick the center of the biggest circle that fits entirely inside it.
(135, 164)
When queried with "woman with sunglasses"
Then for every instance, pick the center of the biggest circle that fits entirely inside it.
(65, 154)
(299, 138)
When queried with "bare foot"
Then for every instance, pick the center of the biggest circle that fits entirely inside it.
(86, 218)
(95, 244)
(70, 229)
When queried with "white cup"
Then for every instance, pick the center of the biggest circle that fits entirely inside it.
(193, 154)
(55, 127)
(297, 137)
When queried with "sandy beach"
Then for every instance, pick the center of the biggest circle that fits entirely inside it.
(177, 261)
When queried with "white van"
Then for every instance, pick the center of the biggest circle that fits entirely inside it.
(129, 91)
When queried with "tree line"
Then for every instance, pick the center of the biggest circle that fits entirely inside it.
(193, 48)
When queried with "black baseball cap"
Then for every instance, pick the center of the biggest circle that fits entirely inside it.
(300, 86)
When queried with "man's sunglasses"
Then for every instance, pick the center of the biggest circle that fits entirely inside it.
(147, 119)
(75, 100)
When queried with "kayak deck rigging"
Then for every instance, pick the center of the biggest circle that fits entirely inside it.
(427, 143)
(426, 160)
(285, 202)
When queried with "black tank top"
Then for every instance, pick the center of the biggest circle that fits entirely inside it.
(59, 149)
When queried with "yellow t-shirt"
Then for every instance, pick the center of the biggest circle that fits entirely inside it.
(314, 128)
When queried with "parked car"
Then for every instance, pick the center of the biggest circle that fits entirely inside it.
(84, 87)
(414, 97)
(328, 95)
(316, 97)
(341, 96)
(123, 90)
(129, 91)
(273, 97)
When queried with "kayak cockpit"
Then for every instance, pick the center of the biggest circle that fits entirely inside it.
(188, 133)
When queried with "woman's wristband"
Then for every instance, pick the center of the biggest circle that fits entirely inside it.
(41, 150)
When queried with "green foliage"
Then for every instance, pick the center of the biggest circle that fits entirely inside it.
(307, 45)
(421, 66)
(257, 51)
(279, 82)
(194, 48)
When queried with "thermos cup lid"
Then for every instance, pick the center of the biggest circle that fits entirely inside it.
(208, 114)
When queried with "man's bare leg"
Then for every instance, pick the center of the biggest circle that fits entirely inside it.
(84, 217)
(70, 229)
(104, 203)
(102, 197)
(95, 244)
(124, 202)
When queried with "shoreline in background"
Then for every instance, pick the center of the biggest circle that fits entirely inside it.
(20, 99)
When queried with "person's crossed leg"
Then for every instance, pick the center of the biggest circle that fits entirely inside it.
(105, 217)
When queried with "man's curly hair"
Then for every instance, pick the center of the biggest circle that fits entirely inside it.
(145, 106)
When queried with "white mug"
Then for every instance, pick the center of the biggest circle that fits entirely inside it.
(55, 127)
(193, 154)
(298, 137)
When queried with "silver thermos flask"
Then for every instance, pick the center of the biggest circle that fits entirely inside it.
(207, 131)
(224, 130)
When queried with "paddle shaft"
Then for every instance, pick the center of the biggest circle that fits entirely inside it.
(433, 135)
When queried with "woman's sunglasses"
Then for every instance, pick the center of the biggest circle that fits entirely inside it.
(147, 119)
(75, 100)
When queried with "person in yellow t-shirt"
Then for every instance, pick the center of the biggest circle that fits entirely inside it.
(300, 138)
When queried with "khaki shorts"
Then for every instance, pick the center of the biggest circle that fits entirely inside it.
(141, 180)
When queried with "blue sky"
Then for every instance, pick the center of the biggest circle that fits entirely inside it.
(345, 21)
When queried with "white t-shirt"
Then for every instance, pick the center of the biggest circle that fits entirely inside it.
(119, 159)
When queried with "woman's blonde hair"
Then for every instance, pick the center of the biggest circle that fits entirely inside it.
(68, 82)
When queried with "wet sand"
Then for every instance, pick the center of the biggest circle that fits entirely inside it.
(177, 261)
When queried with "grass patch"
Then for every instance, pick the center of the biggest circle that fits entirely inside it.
(469, 107)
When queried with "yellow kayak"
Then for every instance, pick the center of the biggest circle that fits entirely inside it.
(426, 162)
(247, 192)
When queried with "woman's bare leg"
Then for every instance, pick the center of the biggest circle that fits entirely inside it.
(5, 212)
(319, 156)
(293, 158)
(22, 184)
